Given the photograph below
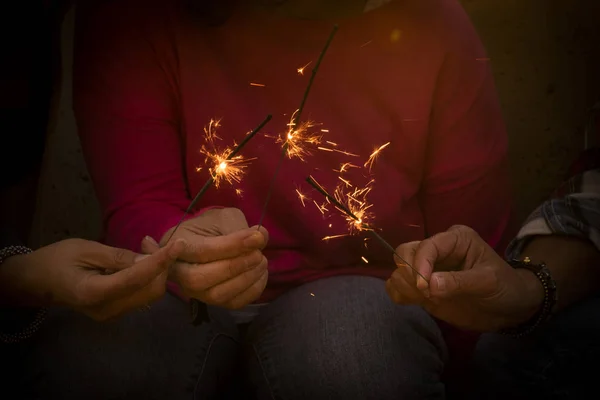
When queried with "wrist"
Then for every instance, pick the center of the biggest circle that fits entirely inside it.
(16, 289)
(532, 297)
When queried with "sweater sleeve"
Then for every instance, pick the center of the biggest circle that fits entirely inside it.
(126, 105)
(466, 179)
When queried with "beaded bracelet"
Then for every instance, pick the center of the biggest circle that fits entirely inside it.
(40, 315)
(550, 297)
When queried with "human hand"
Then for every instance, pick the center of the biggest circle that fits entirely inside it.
(470, 286)
(223, 263)
(99, 281)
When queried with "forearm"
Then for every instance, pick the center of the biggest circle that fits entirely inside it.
(15, 288)
(573, 262)
(20, 311)
(564, 234)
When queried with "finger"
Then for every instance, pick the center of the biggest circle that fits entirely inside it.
(250, 295)
(446, 250)
(206, 249)
(149, 245)
(141, 298)
(408, 290)
(232, 220)
(225, 293)
(136, 276)
(265, 233)
(110, 258)
(474, 282)
(394, 294)
(404, 256)
(200, 277)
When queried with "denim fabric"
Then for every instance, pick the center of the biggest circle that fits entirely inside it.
(342, 338)
(336, 338)
(154, 354)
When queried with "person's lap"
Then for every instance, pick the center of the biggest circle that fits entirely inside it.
(154, 354)
(558, 362)
(346, 340)
(342, 338)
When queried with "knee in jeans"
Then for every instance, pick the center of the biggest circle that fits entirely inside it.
(325, 376)
(354, 361)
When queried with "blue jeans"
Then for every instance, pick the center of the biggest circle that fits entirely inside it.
(346, 340)
(559, 362)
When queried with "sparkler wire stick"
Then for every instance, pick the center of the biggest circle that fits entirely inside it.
(199, 310)
(211, 180)
(295, 122)
(337, 204)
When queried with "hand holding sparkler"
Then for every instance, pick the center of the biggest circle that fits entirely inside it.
(472, 287)
(222, 263)
(357, 215)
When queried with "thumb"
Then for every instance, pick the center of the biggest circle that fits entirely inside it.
(472, 282)
(149, 245)
(137, 275)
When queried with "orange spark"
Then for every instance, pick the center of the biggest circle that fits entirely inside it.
(257, 84)
(321, 207)
(302, 197)
(374, 155)
(345, 166)
(355, 200)
(334, 237)
(219, 166)
(337, 151)
(334, 144)
(365, 260)
(346, 182)
(298, 139)
(301, 69)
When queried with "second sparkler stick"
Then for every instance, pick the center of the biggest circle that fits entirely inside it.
(294, 124)
(337, 204)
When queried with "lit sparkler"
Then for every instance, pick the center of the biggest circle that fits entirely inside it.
(358, 221)
(221, 169)
(294, 125)
(299, 138)
(222, 166)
